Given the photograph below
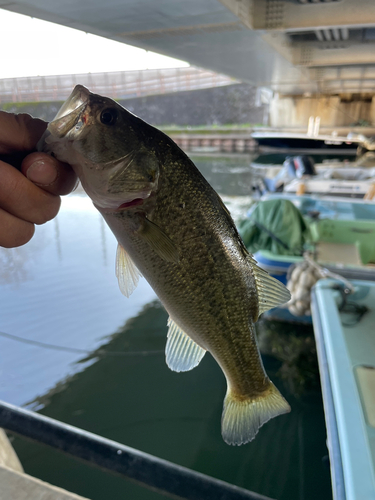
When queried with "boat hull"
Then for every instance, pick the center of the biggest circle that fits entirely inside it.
(346, 345)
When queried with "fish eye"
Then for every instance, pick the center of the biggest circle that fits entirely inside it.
(108, 116)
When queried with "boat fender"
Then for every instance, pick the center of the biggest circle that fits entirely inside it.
(302, 278)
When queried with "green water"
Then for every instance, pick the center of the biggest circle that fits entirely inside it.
(61, 290)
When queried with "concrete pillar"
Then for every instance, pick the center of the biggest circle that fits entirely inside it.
(295, 111)
(372, 112)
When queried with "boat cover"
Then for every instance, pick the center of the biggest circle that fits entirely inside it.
(275, 225)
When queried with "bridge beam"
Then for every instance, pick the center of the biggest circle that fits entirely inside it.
(305, 15)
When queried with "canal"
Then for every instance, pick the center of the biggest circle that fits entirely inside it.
(73, 348)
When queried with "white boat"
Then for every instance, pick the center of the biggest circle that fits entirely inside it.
(345, 338)
(300, 175)
(336, 182)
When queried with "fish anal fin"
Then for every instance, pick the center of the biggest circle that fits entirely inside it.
(159, 241)
(126, 271)
(271, 292)
(243, 417)
(181, 352)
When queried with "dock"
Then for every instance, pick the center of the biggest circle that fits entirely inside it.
(234, 141)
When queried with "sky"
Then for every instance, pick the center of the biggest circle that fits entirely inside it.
(31, 47)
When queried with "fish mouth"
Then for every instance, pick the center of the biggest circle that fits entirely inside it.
(70, 117)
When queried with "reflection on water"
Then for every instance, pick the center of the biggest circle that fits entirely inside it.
(137, 400)
(60, 289)
(106, 372)
(229, 176)
(294, 347)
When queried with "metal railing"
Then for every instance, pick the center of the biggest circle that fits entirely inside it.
(118, 85)
(172, 480)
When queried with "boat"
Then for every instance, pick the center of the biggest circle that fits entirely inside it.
(340, 232)
(299, 174)
(344, 331)
(303, 142)
(337, 233)
(350, 182)
(328, 207)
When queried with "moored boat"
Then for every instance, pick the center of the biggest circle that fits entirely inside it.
(344, 331)
(339, 234)
(356, 184)
(302, 142)
(299, 174)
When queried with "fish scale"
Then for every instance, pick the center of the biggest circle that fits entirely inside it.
(173, 228)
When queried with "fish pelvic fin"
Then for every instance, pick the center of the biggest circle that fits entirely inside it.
(181, 352)
(242, 418)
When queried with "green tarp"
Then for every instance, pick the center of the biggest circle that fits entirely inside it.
(274, 225)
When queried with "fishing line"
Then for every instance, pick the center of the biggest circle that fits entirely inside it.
(100, 352)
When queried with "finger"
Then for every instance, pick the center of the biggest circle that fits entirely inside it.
(19, 132)
(48, 173)
(14, 232)
(23, 199)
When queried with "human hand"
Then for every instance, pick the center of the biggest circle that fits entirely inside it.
(30, 196)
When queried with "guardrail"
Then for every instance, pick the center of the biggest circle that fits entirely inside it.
(174, 481)
(118, 85)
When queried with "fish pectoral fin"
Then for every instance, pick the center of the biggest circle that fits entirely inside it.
(271, 292)
(126, 271)
(159, 241)
(182, 353)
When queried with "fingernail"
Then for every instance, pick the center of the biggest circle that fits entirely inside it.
(42, 173)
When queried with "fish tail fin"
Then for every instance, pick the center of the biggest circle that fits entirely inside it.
(242, 417)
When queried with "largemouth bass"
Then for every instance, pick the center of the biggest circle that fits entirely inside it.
(173, 228)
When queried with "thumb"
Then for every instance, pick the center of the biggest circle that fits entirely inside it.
(48, 173)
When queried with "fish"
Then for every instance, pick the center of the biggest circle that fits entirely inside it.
(173, 229)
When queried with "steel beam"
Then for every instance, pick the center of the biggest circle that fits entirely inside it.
(287, 15)
(333, 54)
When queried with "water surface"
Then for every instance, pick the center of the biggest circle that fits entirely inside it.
(98, 363)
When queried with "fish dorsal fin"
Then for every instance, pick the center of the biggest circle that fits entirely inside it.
(127, 273)
(271, 292)
(159, 241)
(182, 353)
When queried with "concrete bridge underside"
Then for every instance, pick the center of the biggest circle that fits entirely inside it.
(307, 52)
